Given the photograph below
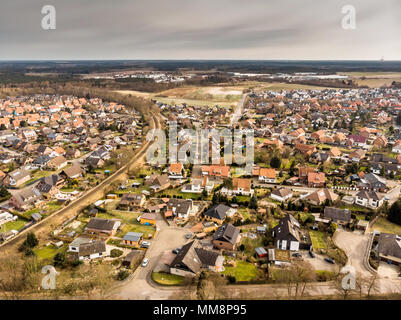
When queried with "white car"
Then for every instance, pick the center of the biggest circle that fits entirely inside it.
(145, 262)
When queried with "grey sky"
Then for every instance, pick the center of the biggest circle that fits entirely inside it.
(201, 29)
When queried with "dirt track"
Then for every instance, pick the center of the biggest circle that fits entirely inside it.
(44, 227)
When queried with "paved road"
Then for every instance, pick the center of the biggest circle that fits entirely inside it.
(238, 112)
(88, 197)
(139, 287)
(353, 244)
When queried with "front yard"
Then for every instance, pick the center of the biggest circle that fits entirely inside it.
(385, 226)
(167, 279)
(318, 240)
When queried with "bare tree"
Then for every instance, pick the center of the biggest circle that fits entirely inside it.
(373, 284)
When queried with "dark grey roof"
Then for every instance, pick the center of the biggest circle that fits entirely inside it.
(218, 211)
(133, 236)
(226, 232)
(390, 245)
(336, 214)
(101, 224)
(287, 229)
(87, 249)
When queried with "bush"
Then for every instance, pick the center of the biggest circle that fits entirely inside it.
(115, 253)
(122, 275)
(76, 263)
(29, 252)
(59, 259)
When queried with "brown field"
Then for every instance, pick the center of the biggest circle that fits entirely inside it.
(221, 94)
(374, 79)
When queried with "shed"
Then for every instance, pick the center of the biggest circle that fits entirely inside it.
(131, 258)
(261, 252)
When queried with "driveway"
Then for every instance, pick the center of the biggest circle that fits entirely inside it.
(138, 287)
(318, 262)
(355, 245)
(388, 271)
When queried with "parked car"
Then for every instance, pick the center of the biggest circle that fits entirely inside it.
(314, 227)
(188, 235)
(145, 262)
(329, 260)
(175, 251)
(297, 254)
(145, 244)
(312, 255)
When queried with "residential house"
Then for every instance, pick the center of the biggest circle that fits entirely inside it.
(281, 194)
(180, 208)
(339, 216)
(72, 172)
(57, 163)
(91, 250)
(192, 259)
(320, 196)
(158, 182)
(49, 185)
(132, 201)
(316, 179)
(267, 175)
(218, 213)
(286, 234)
(369, 199)
(16, 178)
(389, 248)
(226, 237)
(216, 171)
(242, 186)
(102, 227)
(371, 181)
(176, 171)
(357, 155)
(25, 198)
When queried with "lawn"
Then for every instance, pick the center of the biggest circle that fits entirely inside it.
(48, 252)
(251, 244)
(318, 239)
(176, 192)
(12, 225)
(128, 218)
(244, 271)
(385, 226)
(37, 175)
(167, 279)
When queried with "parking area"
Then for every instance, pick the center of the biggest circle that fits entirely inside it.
(318, 262)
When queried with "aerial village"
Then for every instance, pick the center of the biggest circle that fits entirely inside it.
(327, 169)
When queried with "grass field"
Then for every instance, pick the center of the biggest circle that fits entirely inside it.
(244, 271)
(48, 252)
(220, 94)
(167, 279)
(12, 225)
(374, 79)
(318, 239)
(385, 226)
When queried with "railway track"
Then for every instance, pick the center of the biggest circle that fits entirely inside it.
(56, 218)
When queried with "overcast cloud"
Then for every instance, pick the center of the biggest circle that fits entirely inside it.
(202, 29)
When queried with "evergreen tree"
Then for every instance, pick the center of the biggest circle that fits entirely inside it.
(394, 214)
